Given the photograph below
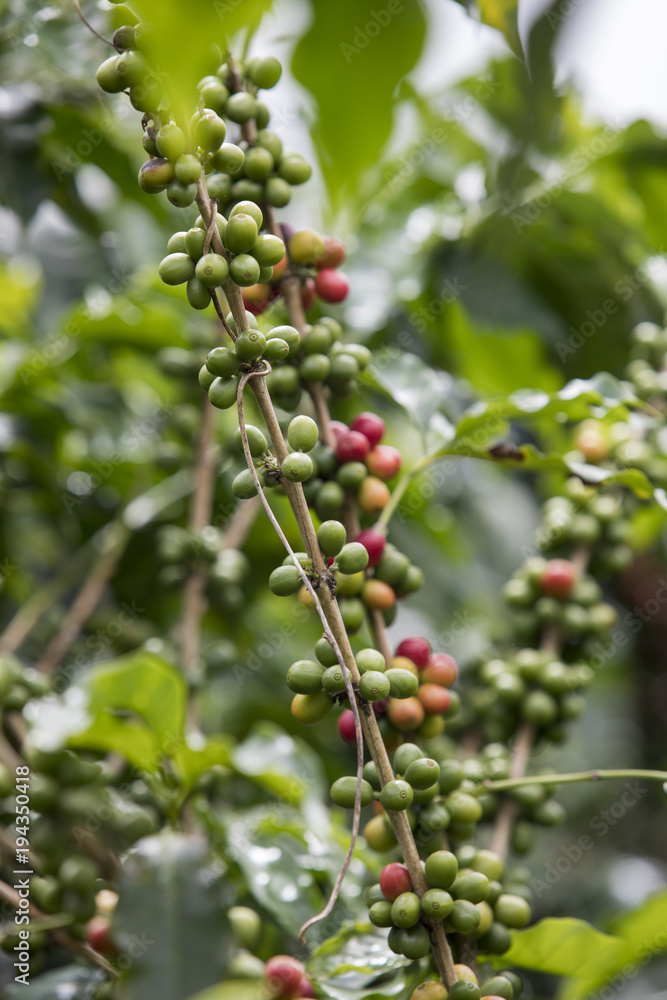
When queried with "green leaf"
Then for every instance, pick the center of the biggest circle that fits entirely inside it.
(352, 60)
(561, 946)
(357, 964)
(414, 385)
(502, 14)
(281, 763)
(71, 981)
(169, 918)
(193, 761)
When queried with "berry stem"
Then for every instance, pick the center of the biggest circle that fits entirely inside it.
(572, 778)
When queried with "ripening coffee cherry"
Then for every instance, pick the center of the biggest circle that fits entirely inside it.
(256, 441)
(441, 669)
(176, 268)
(283, 975)
(373, 495)
(374, 686)
(297, 467)
(241, 107)
(435, 699)
(353, 558)
(244, 270)
(223, 361)
(384, 461)
(285, 581)
(441, 869)
(379, 914)
(403, 684)
(407, 715)
(155, 175)
(210, 131)
(374, 542)
(558, 578)
(378, 596)
(331, 286)
(429, 991)
(346, 727)
(287, 333)
(331, 537)
(302, 433)
(309, 709)
(229, 158)
(305, 677)
(512, 910)
(241, 233)
(394, 880)
(416, 649)
(437, 904)
(296, 170)
(212, 270)
(250, 345)
(406, 910)
(344, 790)
(370, 659)
(305, 247)
(171, 142)
(422, 773)
(396, 795)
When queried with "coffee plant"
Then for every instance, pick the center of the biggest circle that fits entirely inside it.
(347, 791)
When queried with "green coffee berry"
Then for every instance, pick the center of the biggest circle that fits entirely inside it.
(258, 163)
(108, 76)
(316, 368)
(325, 653)
(305, 676)
(344, 790)
(265, 73)
(406, 910)
(213, 93)
(333, 680)
(437, 904)
(380, 913)
(276, 350)
(219, 186)
(209, 131)
(176, 243)
(470, 885)
(512, 910)
(294, 169)
(171, 142)
(464, 990)
(288, 334)
(285, 581)
(244, 270)
(243, 485)
(241, 233)
(414, 942)
(268, 250)
(212, 270)
(370, 659)
(441, 869)
(223, 361)
(222, 392)
(374, 686)
(351, 475)
(396, 795)
(250, 345)
(422, 773)
(205, 378)
(194, 242)
(241, 107)
(331, 535)
(499, 986)
(199, 295)
(229, 158)
(302, 433)
(406, 754)
(328, 504)
(371, 775)
(464, 917)
(277, 192)
(404, 684)
(256, 441)
(488, 863)
(181, 195)
(176, 268)
(297, 467)
(353, 557)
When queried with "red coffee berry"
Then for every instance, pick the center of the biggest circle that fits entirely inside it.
(331, 286)
(406, 714)
(338, 429)
(374, 542)
(441, 669)
(346, 727)
(283, 974)
(334, 253)
(371, 426)
(394, 880)
(352, 447)
(98, 935)
(558, 578)
(306, 988)
(383, 461)
(435, 699)
(416, 649)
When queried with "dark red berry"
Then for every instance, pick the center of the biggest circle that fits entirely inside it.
(338, 429)
(283, 974)
(380, 707)
(306, 988)
(384, 461)
(352, 447)
(371, 426)
(558, 578)
(416, 649)
(346, 727)
(374, 542)
(441, 669)
(331, 286)
(98, 935)
(394, 880)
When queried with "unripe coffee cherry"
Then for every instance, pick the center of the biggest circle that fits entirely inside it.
(210, 131)
(353, 558)
(176, 268)
(194, 242)
(244, 488)
(558, 578)
(441, 869)
(403, 683)
(464, 990)
(171, 142)
(344, 790)
(374, 686)
(374, 542)
(498, 988)
(422, 773)
(283, 975)
(470, 885)
(331, 537)
(414, 942)
(297, 467)
(285, 581)
(305, 677)
(325, 653)
(489, 863)
(288, 334)
(229, 158)
(241, 233)
(276, 350)
(416, 649)
(212, 270)
(296, 170)
(394, 880)
(352, 612)
(407, 715)
(437, 904)
(380, 914)
(309, 709)
(108, 76)
(333, 680)
(512, 910)
(222, 393)
(370, 659)
(352, 447)
(406, 910)
(246, 925)
(302, 433)
(268, 250)
(346, 727)
(241, 107)
(250, 345)
(187, 169)
(441, 669)
(256, 441)
(223, 361)
(396, 795)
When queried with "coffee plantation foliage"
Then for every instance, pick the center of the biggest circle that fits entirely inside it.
(473, 411)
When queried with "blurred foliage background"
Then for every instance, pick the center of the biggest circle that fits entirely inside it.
(496, 233)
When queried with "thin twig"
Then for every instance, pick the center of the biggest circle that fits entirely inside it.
(211, 225)
(90, 27)
(356, 819)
